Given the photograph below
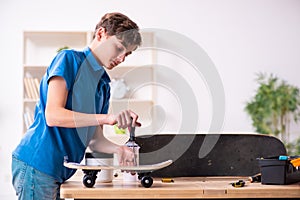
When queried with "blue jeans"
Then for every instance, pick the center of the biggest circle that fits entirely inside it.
(31, 184)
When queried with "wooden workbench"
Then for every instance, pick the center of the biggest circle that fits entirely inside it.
(181, 188)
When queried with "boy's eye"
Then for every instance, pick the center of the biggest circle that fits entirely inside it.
(120, 49)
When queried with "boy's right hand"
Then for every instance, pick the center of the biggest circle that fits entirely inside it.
(124, 119)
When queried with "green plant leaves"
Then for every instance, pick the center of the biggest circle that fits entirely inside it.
(274, 105)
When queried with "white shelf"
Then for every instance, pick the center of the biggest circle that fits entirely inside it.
(28, 100)
(41, 47)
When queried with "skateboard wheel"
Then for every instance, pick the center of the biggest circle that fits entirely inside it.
(88, 181)
(147, 181)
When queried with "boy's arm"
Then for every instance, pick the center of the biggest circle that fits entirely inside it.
(58, 115)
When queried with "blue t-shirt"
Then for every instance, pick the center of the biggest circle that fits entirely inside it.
(45, 148)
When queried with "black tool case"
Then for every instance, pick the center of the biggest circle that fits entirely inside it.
(278, 172)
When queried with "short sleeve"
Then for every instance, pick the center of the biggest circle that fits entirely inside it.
(64, 65)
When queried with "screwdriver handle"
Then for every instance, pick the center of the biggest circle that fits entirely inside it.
(131, 131)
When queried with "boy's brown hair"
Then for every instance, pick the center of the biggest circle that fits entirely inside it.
(122, 27)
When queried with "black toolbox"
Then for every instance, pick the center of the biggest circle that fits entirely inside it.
(278, 172)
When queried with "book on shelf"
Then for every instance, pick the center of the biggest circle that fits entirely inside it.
(31, 88)
(28, 117)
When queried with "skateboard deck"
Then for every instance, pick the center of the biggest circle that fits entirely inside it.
(227, 154)
(144, 171)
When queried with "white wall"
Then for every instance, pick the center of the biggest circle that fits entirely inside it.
(241, 38)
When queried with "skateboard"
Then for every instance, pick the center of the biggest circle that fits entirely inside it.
(143, 171)
(211, 154)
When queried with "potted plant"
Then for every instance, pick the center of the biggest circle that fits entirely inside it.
(275, 105)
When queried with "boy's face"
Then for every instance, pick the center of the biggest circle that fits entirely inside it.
(111, 52)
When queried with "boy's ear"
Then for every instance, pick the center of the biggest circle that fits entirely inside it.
(101, 33)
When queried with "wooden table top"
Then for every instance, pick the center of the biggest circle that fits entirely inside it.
(182, 187)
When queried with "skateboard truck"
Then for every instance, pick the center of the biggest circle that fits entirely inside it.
(89, 178)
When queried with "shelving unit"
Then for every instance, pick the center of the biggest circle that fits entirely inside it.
(40, 47)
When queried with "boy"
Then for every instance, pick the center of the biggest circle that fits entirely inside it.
(71, 112)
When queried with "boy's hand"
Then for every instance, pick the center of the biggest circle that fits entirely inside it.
(125, 156)
(124, 119)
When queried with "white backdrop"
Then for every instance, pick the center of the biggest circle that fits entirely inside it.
(241, 37)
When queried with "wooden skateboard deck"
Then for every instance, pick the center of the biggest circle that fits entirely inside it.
(143, 171)
(208, 154)
(138, 168)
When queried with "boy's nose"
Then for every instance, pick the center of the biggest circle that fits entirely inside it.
(121, 58)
